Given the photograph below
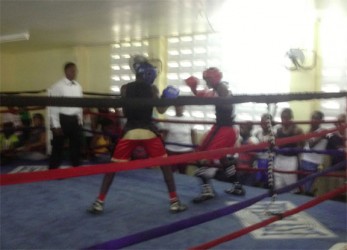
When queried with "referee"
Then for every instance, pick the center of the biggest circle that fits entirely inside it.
(66, 123)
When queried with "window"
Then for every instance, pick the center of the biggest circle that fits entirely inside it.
(334, 64)
(191, 55)
(247, 67)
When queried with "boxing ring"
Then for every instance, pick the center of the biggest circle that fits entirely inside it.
(46, 209)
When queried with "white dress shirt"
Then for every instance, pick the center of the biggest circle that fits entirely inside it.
(64, 88)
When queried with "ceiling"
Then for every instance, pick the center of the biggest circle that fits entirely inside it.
(93, 22)
(56, 23)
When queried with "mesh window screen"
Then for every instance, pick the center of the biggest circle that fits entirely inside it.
(334, 65)
(190, 55)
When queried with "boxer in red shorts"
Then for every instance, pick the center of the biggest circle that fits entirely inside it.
(221, 135)
(140, 131)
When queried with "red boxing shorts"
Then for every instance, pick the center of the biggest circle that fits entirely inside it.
(125, 147)
(219, 137)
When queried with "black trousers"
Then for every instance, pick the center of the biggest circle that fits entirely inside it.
(71, 131)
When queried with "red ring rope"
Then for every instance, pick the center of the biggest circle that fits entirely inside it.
(8, 179)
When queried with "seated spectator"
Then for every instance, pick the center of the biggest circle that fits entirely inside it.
(311, 162)
(180, 134)
(34, 147)
(9, 141)
(12, 115)
(246, 160)
(101, 145)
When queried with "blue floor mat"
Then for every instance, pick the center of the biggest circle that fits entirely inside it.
(52, 215)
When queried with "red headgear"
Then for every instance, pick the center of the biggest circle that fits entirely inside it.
(213, 76)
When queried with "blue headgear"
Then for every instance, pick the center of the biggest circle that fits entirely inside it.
(146, 72)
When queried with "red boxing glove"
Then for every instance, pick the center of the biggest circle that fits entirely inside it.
(192, 82)
(206, 93)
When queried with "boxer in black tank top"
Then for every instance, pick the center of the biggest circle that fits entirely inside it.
(140, 131)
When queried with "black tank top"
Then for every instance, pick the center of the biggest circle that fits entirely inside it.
(281, 134)
(139, 116)
(224, 115)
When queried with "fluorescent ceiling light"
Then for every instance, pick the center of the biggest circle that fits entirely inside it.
(14, 37)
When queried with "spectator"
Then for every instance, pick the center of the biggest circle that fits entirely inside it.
(66, 122)
(104, 116)
(89, 129)
(246, 160)
(180, 134)
(8, 143)
(25, 123)
(101, 144)
(336, 140)
(311, 162)
(35, 147)
(287, 161)
(12, 116)
(107, 117)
